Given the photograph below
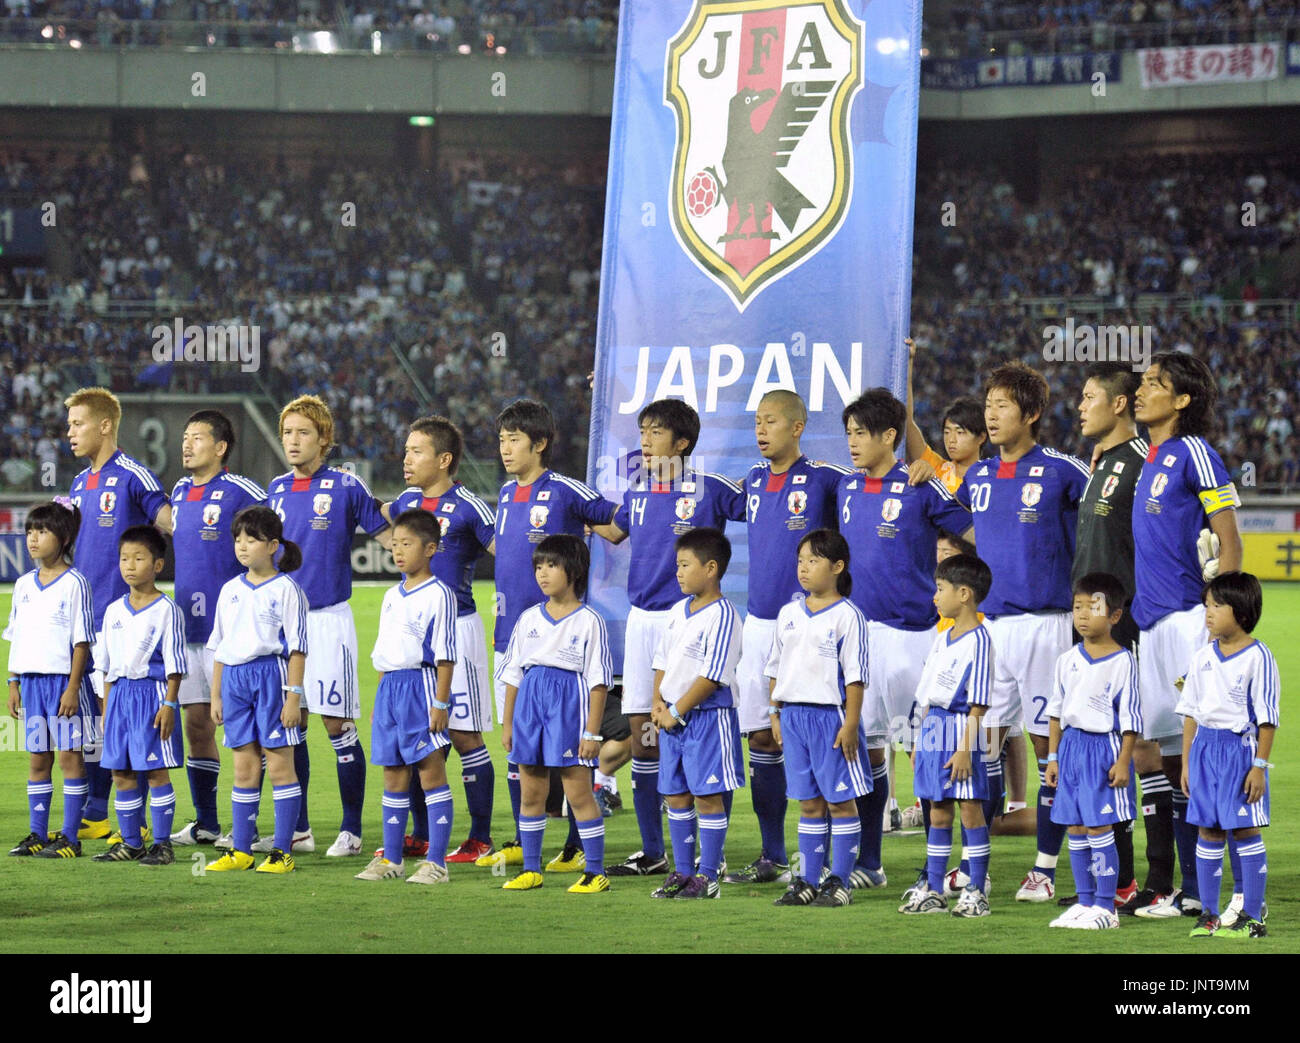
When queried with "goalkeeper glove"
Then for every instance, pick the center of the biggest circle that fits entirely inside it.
(1207, 552)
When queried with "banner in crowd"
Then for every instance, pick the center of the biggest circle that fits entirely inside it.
(1043, 70)
(1293, 59)
(758, 229)
(1218, 63)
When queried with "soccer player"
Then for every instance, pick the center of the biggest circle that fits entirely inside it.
(466, 529)
(144, 661)
(114, 493)
(787, 497)
(817, 673)
(535, 503)
(415, 654)
(694, 712)
(1025, 506)
(950, 766)
(964, 434)
(556, 671)
(665, 499)
(1096, 717)
(259, 645)
(1229, 706)
(203, 504)
(1182, 484)
(321, 507)
(50, 630)
(891, 528)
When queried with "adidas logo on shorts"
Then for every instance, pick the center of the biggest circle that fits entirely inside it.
(840, 787)
(1108, 810)
(712, 779)
(274, 735)
(154, 757)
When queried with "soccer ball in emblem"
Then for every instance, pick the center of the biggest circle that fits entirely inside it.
(321, 503)
(890, 509)
(685, 508)
(701, 194)
(537, 516)
(1031, 493)
(797, 501)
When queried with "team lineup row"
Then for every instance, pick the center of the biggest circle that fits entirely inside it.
(1037, 517)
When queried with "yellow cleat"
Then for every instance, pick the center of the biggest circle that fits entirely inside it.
(525, 881)
(231, 861)
(95, 829)
(569, 860)
(590, 884)
(115, 837)
(277, 862)
(510, 854)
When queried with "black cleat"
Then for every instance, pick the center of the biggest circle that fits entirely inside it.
(640, 864)
(161, 854)
(800, 892)
(120, 852)
(29, 845)
(833, 893)
(60, 846)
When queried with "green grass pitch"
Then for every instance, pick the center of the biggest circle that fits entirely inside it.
(78, 906)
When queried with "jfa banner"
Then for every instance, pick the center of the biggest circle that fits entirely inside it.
(758, 230)
(1222, 63)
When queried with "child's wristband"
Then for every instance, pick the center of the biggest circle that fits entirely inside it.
(592, 737)
(1051, 757)
(440, 706)
(1260, 762)
(171, 705)
(13, 680)
(297, 689)
(672, 709)
(774, 711)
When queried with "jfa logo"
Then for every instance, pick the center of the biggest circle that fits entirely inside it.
(211, 514)
(321, 503)
(444, 524)
(1109, 486)
(685, 508)
(537, 516)
(797, 501)
(890, 509)
(771, 82)
(1031, 493)
(107, 501)
(1158, 483)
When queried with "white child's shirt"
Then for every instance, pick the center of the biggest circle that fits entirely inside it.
(46, 622)
(704, 643)
(816, 655)
(1236, 693)
(255, 621)
(1096, 695)
(417, 628)
(958, 674)
(578, 642)
(144, 643)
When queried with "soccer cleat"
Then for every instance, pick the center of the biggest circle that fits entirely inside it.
(863, 879)
(1167, 907)
(1072, 913)
(231, 861)
(120, 852)
(60, 846)
(675, 882)
(226, 842)
(924, 901)
(470, 851)
(761, 871)
(601, 793)
(1244, 928)
(1206, 925)
(590, 884)
(956, 882)
(525, 881)
(833, 893)
(160, 854)
(346, 845)
(1136, 901)
(1124, 895)
(1230, 914)
(382, 869)
(698, 886)
(262, 845)
(414, 847)
(640, 864)
(922, 882)
(195, 834)
(1036, 887)
(303, 842)
(29, 845)
(277, 862)
(146, 837)
(615, 801)
(93, 829)
(913, 817)
(429, 873)
(508, 854)
(800, 892)
(1097, 919)
(569, 860)
(971, 904)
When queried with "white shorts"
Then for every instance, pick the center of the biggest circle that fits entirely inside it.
(196, 686)
(754, 688)
(895, 659)
(640, 641)
(331, 674)
(499, 693)
(471, 704)
(1164, 654)
(1025, 650)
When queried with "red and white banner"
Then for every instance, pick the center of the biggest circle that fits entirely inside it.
(1220, 63)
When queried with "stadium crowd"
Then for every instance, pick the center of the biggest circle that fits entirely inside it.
(484, 275)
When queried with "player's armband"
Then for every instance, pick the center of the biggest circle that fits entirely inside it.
(1215, 500)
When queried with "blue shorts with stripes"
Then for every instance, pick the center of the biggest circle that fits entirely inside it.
(704, 757)
(550, 716)
(813, 767)
(399, 727)
(936, 741)
(252, 699)
(45, 730)
(1084, 795)
(131, 740)
(1217, 766)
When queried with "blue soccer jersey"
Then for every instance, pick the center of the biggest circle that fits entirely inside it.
(526, 515)
(468, 528)
(1025, 513)
(891, 528)
(203, 545)
(1182, 485)
(654, 514)
(119, 495)
(320, 514)
(781, 509)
